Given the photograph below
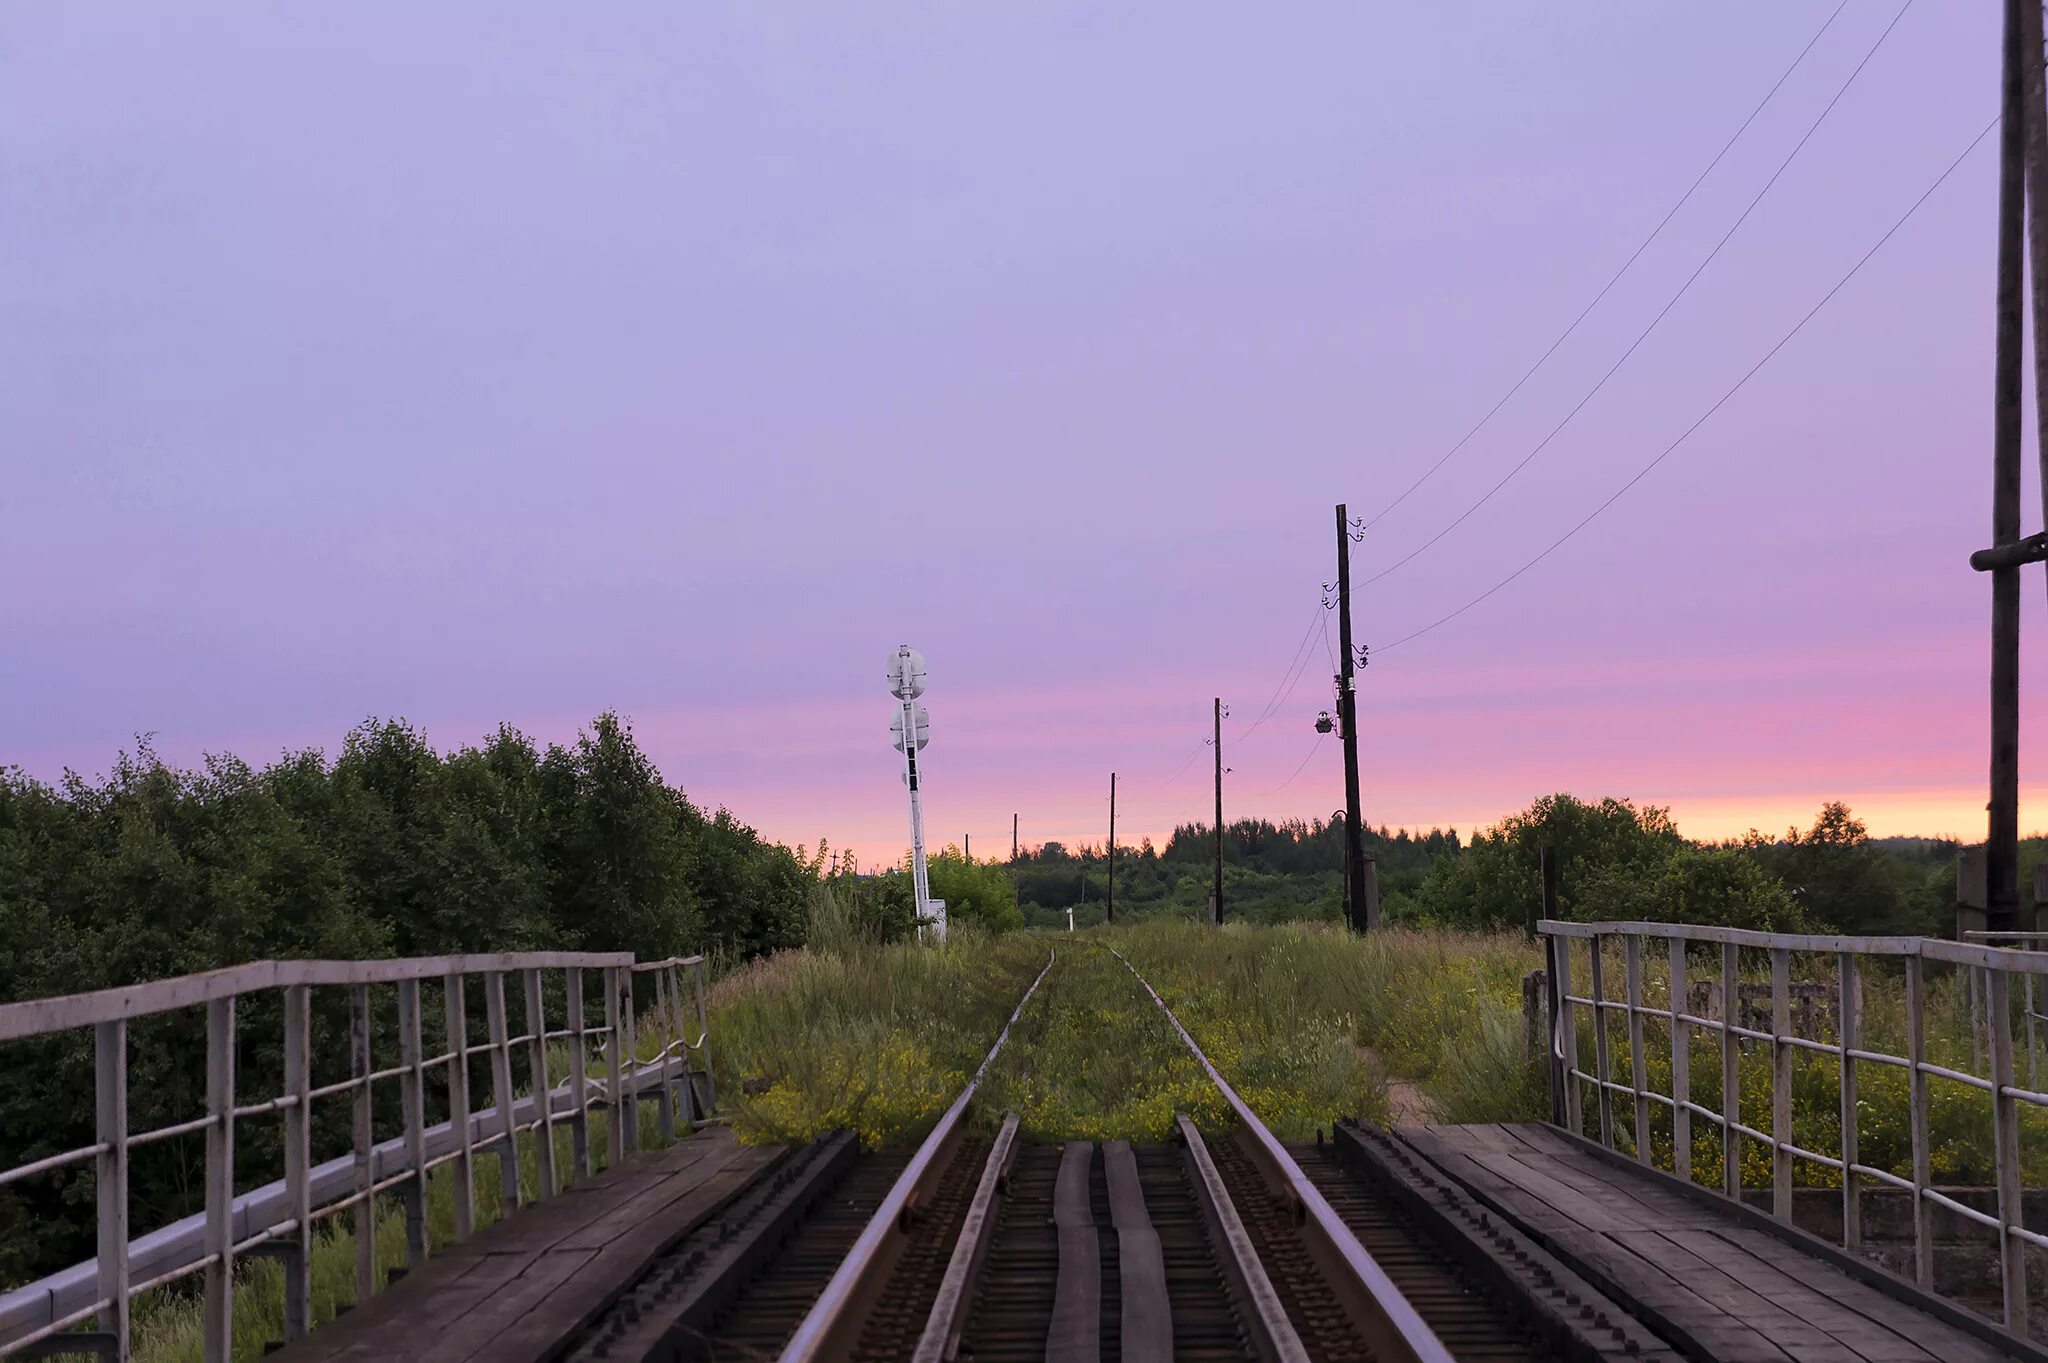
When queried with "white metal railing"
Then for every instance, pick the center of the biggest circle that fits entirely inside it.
(1994, 966)
(277, 1219)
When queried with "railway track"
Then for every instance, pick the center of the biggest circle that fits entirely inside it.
(1208, 1248)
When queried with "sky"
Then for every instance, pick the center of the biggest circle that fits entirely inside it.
(488, 362)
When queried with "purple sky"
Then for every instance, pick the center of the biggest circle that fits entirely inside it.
(492, 362)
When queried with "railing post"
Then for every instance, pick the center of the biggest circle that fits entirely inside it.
(365, 1218)
(219, 1305)
(629, 1057)
(709, 1101)
(110, 1188)
(1639, 1072)
(2005, 1119)
(615, 1129)
(1553, 1061)
(1916, 1055)
(1600, 1058)
(413, 1104)
(1850, 1033)
(1681, 1065)
(1731, 1073)
(298, 1160)
(664, 1095)
(501, 1091)
(1568, 1037)
(463, 1167)
(579, 1075)
(1781, 1084)
(543, 1091)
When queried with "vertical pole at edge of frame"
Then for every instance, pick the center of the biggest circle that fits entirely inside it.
(615, 1130)
(1681, 1064)
(1916, 1057)
(579, 1075)
(1603, 1075)
(220, 1181)
(298, 1160)
(364, 1216)
(1731, 1074)
(1850, 1033)
(455, 1012)
(629, 1058)
(710, 1099)
(664, 1093)
(543, 1086)
(2005, 1120)
(1553, 1060)
(110, 1188)
(1639, 1070)
(502, 1097)
(413, 1109)
(1568, 1039)
(1781, 1084)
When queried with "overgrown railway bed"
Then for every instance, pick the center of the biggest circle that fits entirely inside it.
(1210, 1247)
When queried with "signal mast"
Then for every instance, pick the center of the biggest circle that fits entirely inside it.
(911, 728)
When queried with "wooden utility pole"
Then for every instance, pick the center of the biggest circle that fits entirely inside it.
(1013, 837)
(1216, 893)
(1109, 904)
(2003, 560)
(1362, 908)
(967, 846)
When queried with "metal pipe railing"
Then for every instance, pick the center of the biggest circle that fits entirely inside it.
(277, 1219)
(1985, 964)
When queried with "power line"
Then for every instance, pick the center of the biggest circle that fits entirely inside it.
(1644, 335)
(1608, 287)
(1300, 650)
(1313, 748)
(1718, 404)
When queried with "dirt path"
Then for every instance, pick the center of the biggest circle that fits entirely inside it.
(1407, 1104)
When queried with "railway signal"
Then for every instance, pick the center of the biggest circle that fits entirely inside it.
(911, 730)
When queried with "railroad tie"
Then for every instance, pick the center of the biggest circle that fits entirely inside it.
(1141, 1268)
(1075, 1335)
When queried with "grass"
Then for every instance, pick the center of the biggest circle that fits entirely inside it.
(1307, 1022)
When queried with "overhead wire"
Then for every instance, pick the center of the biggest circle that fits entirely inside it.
(1664, 312)
(1291, 674)
(1720, 402)
(1608, 287)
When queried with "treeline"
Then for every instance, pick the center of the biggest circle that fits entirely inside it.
(1272, 872)
(1615, 860)
(389, 848)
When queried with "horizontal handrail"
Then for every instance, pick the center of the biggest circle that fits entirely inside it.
(1927, 948)
(37, 1017)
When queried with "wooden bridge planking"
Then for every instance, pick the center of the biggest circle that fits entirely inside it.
(1723, 1289)
(518, 1290)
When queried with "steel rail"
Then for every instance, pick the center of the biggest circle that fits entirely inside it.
(827, 1330)
(1391, 1326)
(940, 1342)
(1275, 1336)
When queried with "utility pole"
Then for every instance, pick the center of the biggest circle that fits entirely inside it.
(1013, 837)
(1360, 910)
(2004, 558)
(1216, 893)
(967, 846)
(1109, 904)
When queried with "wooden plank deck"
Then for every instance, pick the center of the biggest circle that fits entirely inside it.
(519, 1290)
(1710, 1281)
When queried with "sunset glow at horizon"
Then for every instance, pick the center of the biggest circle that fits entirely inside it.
(684, 362)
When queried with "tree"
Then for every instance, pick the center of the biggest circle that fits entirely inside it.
(1496, 880)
